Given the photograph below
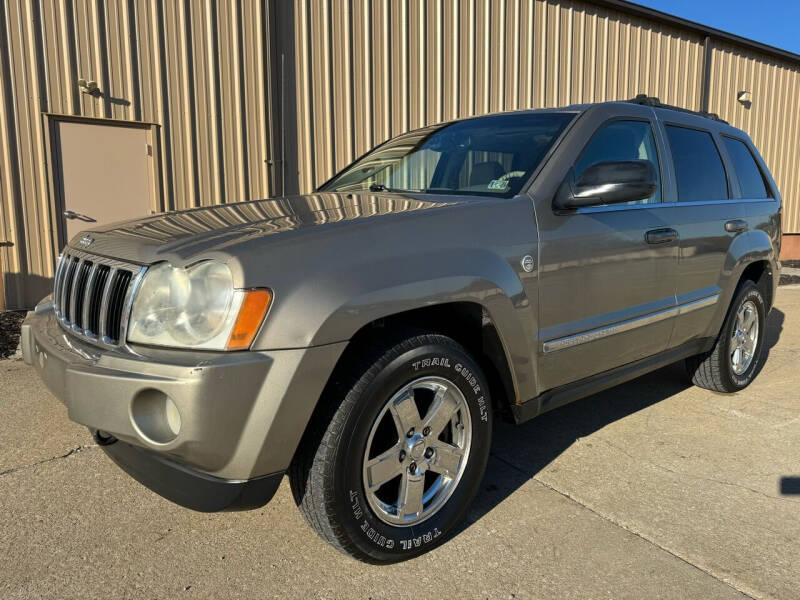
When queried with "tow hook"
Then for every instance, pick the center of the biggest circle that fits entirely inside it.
(102, 438)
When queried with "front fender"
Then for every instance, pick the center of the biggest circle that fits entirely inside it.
(333, 306)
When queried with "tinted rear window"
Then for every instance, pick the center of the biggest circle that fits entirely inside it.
(698, 166)
(747, 172)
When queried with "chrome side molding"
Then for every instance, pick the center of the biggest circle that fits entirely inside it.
(601, 332)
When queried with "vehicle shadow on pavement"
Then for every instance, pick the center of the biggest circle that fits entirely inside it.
(520, 452)
(772, 334)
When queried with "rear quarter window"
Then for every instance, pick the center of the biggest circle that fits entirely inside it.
(698, 165)
(750, 177)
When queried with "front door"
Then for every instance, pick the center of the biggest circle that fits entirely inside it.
(104, 173)
(607, 273)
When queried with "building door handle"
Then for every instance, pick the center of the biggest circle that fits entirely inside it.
(663, 235)
(71, 214)
(736, 225)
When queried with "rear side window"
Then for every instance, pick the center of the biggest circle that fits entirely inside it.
(698, 166)
(747, 172)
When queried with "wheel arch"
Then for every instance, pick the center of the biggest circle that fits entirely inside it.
(761, 273)
(750, 257)
(467, 322)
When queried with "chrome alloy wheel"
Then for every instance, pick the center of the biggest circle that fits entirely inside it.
(412, 463)
(744, 337)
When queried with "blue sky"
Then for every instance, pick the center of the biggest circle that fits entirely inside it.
(773, 22)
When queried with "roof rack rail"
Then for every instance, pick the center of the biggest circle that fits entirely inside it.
(646, 100)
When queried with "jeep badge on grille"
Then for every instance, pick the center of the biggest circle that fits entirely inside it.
(86, 241)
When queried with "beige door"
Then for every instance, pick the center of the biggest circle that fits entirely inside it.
(106, 173)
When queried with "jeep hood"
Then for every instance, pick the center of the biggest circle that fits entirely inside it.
(196, 231)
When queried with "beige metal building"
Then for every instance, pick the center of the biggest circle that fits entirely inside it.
(116, 108)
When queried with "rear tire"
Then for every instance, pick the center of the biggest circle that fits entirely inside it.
(732, 363)
(379, 494)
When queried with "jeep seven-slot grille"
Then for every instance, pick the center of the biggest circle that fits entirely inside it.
(92, 295)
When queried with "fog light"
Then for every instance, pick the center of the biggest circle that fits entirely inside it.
(155, 416)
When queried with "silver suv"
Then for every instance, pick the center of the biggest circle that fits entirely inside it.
(362, 339)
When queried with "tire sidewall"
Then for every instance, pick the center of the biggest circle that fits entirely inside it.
(752, 293)
(378, 540)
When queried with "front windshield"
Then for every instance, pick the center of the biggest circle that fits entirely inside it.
(492, 155)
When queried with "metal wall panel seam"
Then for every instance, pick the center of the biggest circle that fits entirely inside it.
(9, 175)
(41, 199)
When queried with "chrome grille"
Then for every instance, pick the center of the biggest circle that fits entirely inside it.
(92, 295)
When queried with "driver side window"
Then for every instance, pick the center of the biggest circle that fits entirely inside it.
(623, 140)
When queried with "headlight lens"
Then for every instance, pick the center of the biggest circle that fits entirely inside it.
(189, 308)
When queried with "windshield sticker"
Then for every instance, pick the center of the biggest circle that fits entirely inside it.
(498, 184)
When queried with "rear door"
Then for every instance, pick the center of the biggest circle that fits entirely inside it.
(606, 293)
(756, 188)
(707, 216)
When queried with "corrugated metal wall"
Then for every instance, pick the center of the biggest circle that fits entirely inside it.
(370, 69)
(772, 118)
(208, 74)
(202, 71)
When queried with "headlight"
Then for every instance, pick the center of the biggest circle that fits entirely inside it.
(196, 307)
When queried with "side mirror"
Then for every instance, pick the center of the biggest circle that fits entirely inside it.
(607, 183)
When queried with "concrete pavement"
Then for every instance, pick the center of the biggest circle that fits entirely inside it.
(653, 489)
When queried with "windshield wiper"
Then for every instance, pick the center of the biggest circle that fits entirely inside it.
(379, 187)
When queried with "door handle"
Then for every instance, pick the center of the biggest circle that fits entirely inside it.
(661, 236)
(71, 214)
(736, 225)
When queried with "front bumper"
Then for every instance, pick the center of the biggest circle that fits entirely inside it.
(188, 487)
(242, 413)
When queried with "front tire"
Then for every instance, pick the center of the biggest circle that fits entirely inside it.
(397, 451)
(732, 363)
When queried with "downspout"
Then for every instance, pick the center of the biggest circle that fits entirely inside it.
(283, 126)
(705, 82)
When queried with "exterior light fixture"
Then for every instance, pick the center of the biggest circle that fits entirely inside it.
(87, 87)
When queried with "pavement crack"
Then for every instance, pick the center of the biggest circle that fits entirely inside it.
(627, 528)
(70, 452)
(163, 535)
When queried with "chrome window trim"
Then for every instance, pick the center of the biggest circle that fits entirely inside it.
(591, 335)
(615, 208)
